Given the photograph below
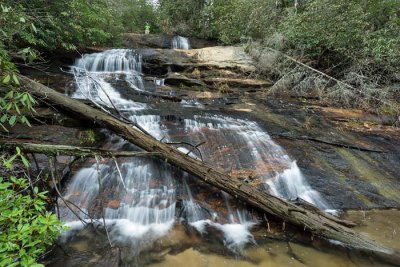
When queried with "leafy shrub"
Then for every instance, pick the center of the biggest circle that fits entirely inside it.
(26, 228)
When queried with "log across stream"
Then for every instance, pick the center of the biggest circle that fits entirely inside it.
(139, 197)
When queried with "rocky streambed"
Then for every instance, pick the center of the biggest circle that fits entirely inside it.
(213, 96)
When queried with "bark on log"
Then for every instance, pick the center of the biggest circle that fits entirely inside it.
(57, 150)
(319, 225)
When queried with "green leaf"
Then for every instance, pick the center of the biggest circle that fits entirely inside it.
(10, 94)
(4, 128)
(25, 162)
(15, 79)
(6, 79)
(12, 120)
(3, 118)
(17, 108)
(22, 19)
(8, 164)
(34, 27)
(26, 121)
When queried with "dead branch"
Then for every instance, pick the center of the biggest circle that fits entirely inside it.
(84, 152)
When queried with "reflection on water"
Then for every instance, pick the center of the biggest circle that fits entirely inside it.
(183, 248)
(381, 225)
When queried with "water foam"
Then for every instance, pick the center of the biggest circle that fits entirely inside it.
(180, 42)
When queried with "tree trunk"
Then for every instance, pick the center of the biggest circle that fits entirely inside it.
(319, 224)
(56, 150)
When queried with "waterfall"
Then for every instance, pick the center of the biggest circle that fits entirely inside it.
(179, 42)
(236, 231)
(95, 72)
(137, 196)
(272, 166)
(242, 145)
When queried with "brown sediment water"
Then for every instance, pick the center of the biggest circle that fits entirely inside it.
(381, 225)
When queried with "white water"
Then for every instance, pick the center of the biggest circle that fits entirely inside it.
(140, 193)
(179, 42)
(280, 173)
(159, 82)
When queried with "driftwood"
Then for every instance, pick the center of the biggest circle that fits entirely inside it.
(320, 225)
(84, 152)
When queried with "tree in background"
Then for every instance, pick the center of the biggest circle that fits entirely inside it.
(185, 17)
(136, 13)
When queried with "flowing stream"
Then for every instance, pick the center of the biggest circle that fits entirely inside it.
(179, 42)
(138, 197)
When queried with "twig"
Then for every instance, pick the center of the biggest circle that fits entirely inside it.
(35, 160)
(102, 202)
(120, 174)
(266, 219)
(66, 202)
(194, 147)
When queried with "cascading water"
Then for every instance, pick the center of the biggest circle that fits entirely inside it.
(179, 42)
(259, 157)
(137, 197)
(94, 74)
(258, 152)
(140, 193)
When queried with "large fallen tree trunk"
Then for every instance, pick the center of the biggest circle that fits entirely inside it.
(318, 224)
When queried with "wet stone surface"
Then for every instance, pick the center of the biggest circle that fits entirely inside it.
(288, 146)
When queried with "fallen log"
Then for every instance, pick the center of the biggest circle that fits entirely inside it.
(320, 225)
(57, 150)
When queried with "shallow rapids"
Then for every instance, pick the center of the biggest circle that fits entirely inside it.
(140, 200)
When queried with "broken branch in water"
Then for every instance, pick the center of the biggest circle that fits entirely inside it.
(66, 202)
(102, 201)
(85, 152)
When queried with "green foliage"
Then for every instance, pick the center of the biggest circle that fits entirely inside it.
(352, 28)
(136, 13)
(358, 28)
(14, 105)
(62, 24)
(88, 136)
(185, 17)
(9, 163)
(238, 20)
(26, 228)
